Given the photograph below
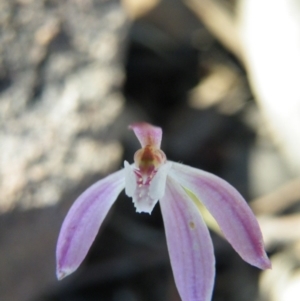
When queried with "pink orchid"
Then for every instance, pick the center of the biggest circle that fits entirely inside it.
(152, 178)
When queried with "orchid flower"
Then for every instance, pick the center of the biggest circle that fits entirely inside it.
(152, 178)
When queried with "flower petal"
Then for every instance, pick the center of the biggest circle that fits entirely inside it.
(230, 210)
(130, 180)
(83, 221)
(145, 196)
(158, 183)
(147, 134)
(189, 244)
(141, 199)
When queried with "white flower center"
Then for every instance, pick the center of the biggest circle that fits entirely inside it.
(145, 190)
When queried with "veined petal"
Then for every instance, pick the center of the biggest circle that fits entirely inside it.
(230, 210)
(83, 221)
(147, 134)
(189, 244)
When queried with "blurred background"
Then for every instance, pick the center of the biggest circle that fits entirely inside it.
(221, 77)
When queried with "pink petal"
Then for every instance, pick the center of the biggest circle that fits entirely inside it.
(83, 221)
(230, 210)
(189, 244)
(147, 134)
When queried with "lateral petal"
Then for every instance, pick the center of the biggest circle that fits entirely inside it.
(83, 221)
(147, 134)
(189, 244)
(230, 210)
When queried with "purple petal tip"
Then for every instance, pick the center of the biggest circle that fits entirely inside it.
(62, 273)
(266, 263)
